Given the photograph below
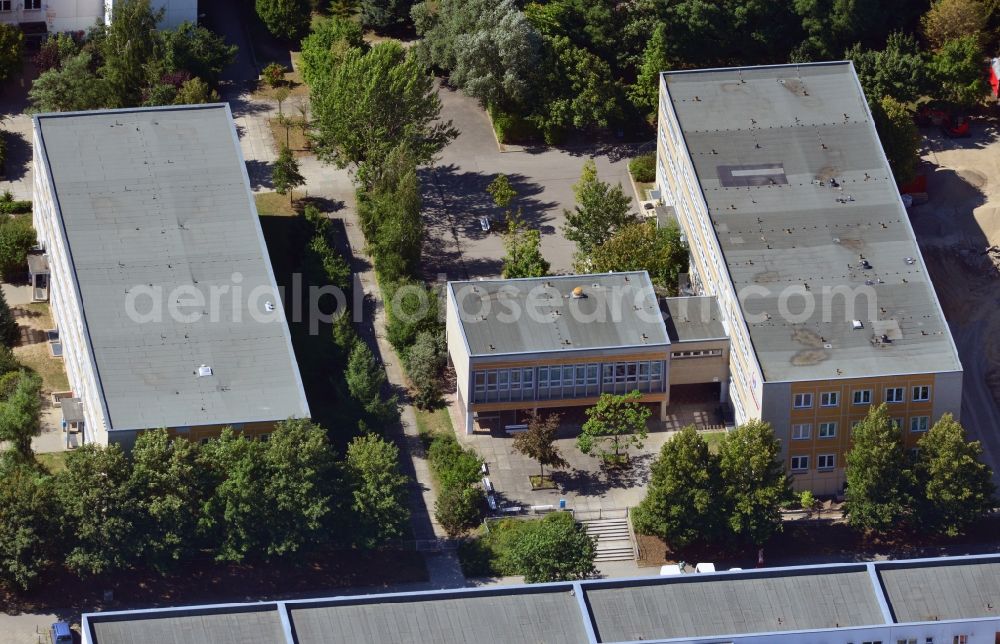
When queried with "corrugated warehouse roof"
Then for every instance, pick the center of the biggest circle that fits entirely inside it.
(566, 313)
(803, 205)
(158, 201)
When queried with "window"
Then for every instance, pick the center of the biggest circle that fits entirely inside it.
(4, 5)
(854, 423)
(894, 395)
(912, 640)
(800, 463)
(803, 401)
(32, 4)
(204, 441)
(829, 399)
(919, 423)
(827, 430)
(655, 371)
(961, 639)
(801, 431)
(921, 393)
(863, 397)
(264, 438)
(826, 461)
(899, 423)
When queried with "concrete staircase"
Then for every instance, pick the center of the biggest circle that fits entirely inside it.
(614, 541)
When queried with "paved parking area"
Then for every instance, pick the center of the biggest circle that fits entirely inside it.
(455, 193)
(584, 485)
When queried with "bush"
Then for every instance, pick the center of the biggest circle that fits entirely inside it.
(424, 362)
(8, 205)
(16, 239)
(458, 509)
(453, 465)
(410, 309)
(513, 128)
(643, 168)
(273, 74)
(554, 548)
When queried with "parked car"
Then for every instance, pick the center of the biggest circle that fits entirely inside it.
(60, 633)
(484, 223)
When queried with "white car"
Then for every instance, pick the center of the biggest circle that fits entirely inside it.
(484, 223)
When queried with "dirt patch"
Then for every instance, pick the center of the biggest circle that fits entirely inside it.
(294, 136)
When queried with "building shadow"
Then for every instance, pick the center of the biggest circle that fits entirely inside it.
(260, 174)
(18, 156)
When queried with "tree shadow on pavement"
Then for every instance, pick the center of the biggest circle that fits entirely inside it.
(260, 174)
(18, 156)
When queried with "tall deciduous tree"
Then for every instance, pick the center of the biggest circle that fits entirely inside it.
(384, 14)
(378, 490)
(371, 104)
(11, 50)
(754, 481)
(899, 70)
(326, 45)
(645, 93)
(682, 503)
(284, 18)
(556, 548)
(29, 528)
(169, 487)
(19, 416)
(879, 482)
(424, 361)
(601, 209)
(958, 68)
(70, 87)
(614, 424)
(98, 510)
(538, 442)
(641, 246)
(127, 44)
(285, 174)
(899, 136)
(523, 256)
(197, 50)
(950, 19)
(955, 486)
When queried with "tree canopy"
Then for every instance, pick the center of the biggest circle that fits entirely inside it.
(879, 494)
(641, 246)
(616, 423)
(601, 210)
(754, 481)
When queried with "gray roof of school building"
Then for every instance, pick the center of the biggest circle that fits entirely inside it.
(690, 319)
(924, 594)
(711, 605)
(693, 607)
(800, 196)
(153, 200)
(541, 618)
(617, 310)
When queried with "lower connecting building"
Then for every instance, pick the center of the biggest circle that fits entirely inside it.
(558, 342)
(795, 224)
(929, 601)
(161, 289)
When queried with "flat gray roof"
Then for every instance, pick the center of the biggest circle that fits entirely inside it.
(539, 618)
(690, 319)
(245, 627)
(932, 593)
(692, 607)
(712, 605)
(616, 310)
(155, 200)
(799, 195)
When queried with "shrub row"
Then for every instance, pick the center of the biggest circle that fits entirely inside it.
(460, 503)
(643, 168)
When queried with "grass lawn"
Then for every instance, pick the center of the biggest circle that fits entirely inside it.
(273, 204)
(431, 422)
(36, 355)
(714, 439)
(642, 188)
(54, 462)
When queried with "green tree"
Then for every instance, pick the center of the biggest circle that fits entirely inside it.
(614, 424)
(274, 75)
(370, 105)
(425, 360)
(950, 19)
(957, 68)
(556, 548)
(899, 70)
(458, 508)
(54, 50)
(285, 174)
(169, 487)
(299, 488)
(326, 45)
(378, 491)
(899, 136)
(501, 191)
(645, 93)
(196, 50)
(11, 50)
(385, 14)
(234, 518)
(601, 209)
(71, 87)
(523, 256)
(17, 237)
(683, 497)
(19, 416)
(410, 309)
(879, 482)
(538, 442)
(955, 487)
(641, 246)
(390, 219)
(284, 18)
(98, 510)
(754, 483)
(195, 91)
(28, 525)
(364, 375)
(10, 332)
(127, 44)
(831, 25)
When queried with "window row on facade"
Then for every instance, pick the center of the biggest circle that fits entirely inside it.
(803, 431)
(921, 393)
(568, 381)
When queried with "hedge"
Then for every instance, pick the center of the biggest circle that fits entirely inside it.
(513, 128)
(643, 168)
